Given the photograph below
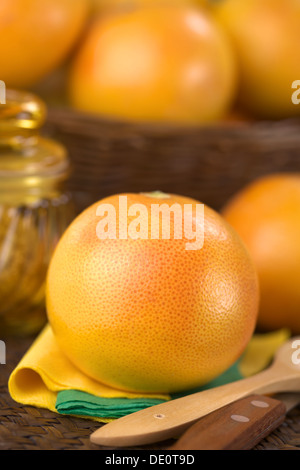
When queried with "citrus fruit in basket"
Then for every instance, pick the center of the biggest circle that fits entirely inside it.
(266, 214)
(36, 36)
(164, 63)
(149, 314)
(266, 38)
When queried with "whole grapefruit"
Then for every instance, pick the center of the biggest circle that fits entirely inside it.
(266, 214)
(36, 36)
(148, 314)
(166, 63)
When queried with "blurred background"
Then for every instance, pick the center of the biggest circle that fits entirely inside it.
(187, 96)
(194, 97)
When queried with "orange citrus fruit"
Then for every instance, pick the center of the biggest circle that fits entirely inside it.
(266, 214)
(266, 37)
(36, 36)
(164, 63)
(147, 314)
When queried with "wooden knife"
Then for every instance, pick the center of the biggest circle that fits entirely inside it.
(240, 425)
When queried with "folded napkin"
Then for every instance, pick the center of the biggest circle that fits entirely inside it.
(45, 378)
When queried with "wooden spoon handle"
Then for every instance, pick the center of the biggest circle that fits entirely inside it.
(238, 426)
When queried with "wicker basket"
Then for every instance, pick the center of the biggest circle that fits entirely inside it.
(207, 163)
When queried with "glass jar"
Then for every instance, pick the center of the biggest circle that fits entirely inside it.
(34, 211)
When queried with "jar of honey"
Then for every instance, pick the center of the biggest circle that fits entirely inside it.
(35, 209)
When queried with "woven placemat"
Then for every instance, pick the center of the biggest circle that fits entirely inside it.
(29, 428)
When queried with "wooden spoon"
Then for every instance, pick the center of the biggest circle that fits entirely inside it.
(172, 418)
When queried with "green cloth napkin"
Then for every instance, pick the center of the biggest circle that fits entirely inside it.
(74, 402)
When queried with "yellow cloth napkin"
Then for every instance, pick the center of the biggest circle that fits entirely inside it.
(45, 371)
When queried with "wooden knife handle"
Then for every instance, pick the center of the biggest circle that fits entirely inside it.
(238, 426)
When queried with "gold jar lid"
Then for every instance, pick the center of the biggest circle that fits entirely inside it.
(28, 160)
